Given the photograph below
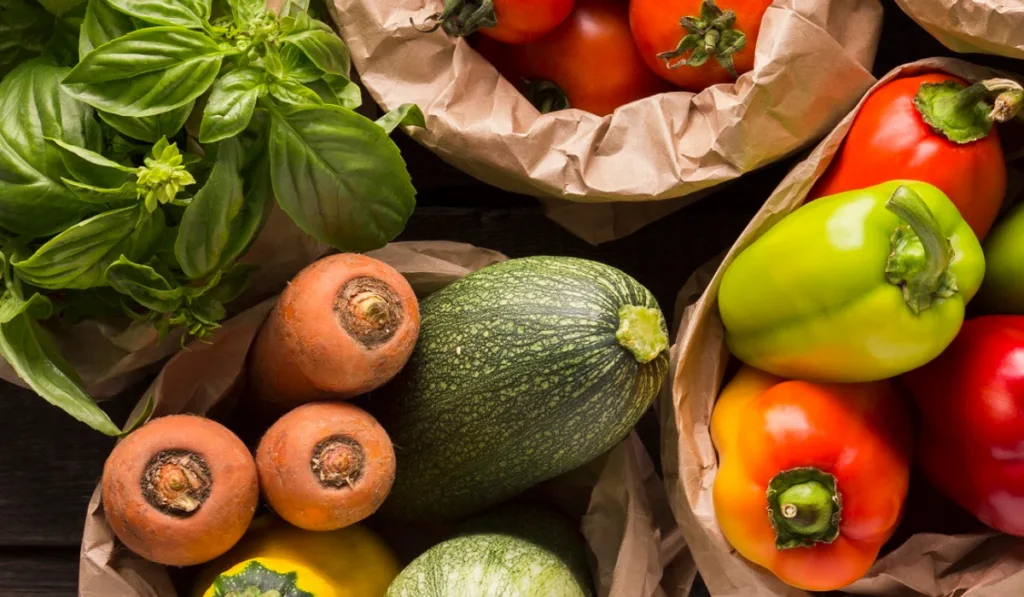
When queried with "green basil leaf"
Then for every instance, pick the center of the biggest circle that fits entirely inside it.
(246, 226)
(207, 310)
(206, 225)
(101, 195)
(24, 29)
(90, 167)
(273, 63)
(33, 200)
(60, 7)
(37, 307)
(62, 47)
(147, 72)
(404, 115)
(321, 45)
(144, 285)
(298, 66)
(79, 256)
(244, 12)
(182, 13)
(294, 93)
(338, 90)
(30, 351)
(339, 177)
(291, 8)
(149, 128)
(231, 104)
(232, 283)
(102, 24)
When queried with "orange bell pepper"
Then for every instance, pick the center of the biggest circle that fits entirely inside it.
(812, 477)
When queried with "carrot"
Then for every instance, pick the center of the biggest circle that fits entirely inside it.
(180, 490)
(325, 465)
(345, 325)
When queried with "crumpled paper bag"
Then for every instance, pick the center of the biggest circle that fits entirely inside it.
(812, 64)
(624, 510)
(972, 26)
(932, 565)
(111, 356)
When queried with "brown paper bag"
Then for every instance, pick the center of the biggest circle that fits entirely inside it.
(971, 565)
(972, 26)
(812, 64)
(623, 507)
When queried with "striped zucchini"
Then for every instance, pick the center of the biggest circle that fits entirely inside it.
(524, 370)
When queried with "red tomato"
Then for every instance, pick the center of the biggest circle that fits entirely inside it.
(657, 30)
(518, 21)
(890, 140)
(591, 57)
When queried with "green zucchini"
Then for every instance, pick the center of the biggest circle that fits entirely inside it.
(523, 370)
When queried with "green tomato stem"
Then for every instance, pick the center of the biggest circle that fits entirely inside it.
(462, 18)
(804, 507)
(919, 261)
(642, 332)
(546, 96)
(712, 34)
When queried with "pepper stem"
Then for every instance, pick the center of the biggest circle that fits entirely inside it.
(462, 18)
(921, 253)
(963, 114)
(804, 507)
(642, 331)
(710, 34)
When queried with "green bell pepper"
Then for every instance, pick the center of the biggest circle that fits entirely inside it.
(858, 286)
(1003, 289)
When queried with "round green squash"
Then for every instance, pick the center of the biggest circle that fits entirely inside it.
(512, 552)
(523, 371)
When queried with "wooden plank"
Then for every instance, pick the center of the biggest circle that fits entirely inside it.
(51, 573)
(50, 464)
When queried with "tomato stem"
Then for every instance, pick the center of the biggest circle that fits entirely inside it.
(461, 18)
(546, 96)
(712, 34)
(919, 261)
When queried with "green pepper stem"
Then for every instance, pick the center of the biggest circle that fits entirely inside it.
(1009, 99)
(963, 114)
(642, 331)
(922, 275)
(804, 507)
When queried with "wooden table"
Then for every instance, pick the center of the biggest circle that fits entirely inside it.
(50, 464)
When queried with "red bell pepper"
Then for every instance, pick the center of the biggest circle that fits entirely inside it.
(936, 129)
(971, 400)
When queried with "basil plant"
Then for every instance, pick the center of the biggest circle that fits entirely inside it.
(110, 204)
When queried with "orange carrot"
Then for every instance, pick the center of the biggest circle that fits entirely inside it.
(344, 326)
(325, 465)
(181, 490)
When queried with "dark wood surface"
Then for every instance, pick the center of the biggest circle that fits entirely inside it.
(50, 464)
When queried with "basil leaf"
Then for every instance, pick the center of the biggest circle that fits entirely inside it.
(79, 256)
(291, 8)
(232, 283)
(338, 90)
(273, 63)
(144, 285)
(62, 47)
(37, 307)
(246, 226)
(321, 45)
(149, 128)
(182, 13)
(30, 351)
(102, 24)
(207, 310)
(33, 200)
(206, 225)
(24, 28)
(231, 104)
(60, 7)
(295, 93)
(147, 72)
(244, 12)
(298, 66)
(101, 195)
(90, 167)
(339, 177)
(404, 115)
